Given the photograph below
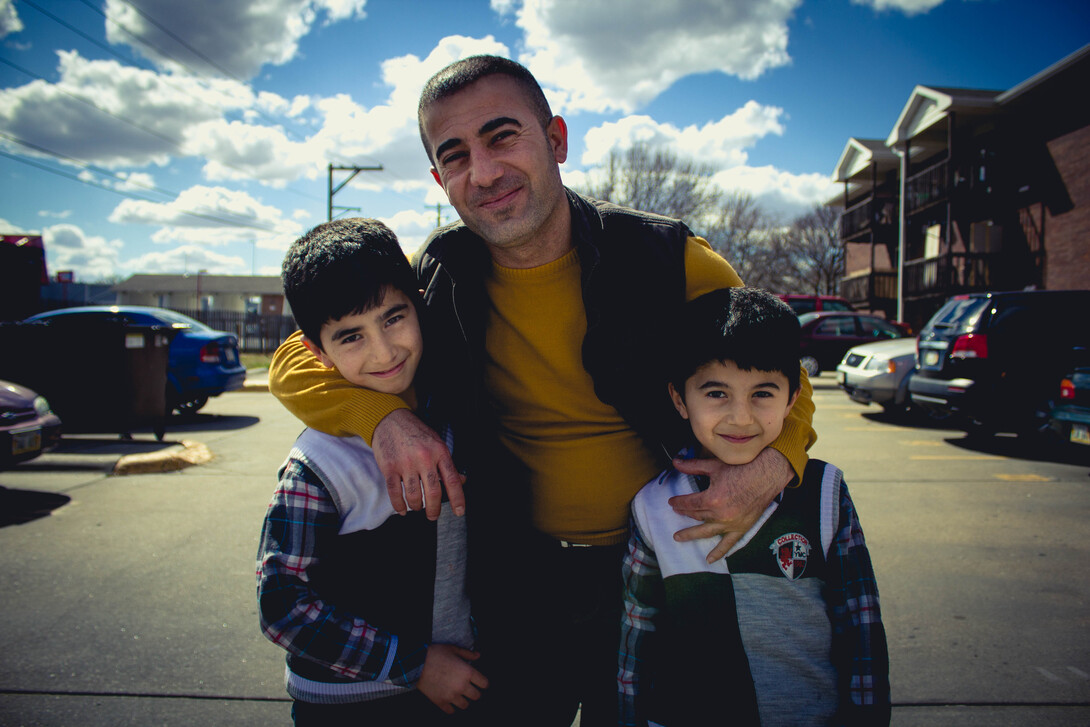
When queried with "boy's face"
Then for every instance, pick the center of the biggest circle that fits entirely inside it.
(734, 414)
(378, 349)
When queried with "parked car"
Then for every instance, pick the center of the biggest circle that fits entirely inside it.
(202, 362)
(815, 303)
(1069, 418)
(990, 361)
(28, 426)
(878, 373)
(827, 336)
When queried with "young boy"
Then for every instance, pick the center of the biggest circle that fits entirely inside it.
(367, 605)
(807, 645)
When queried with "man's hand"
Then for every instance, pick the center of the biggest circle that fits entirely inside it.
(737, 496)
(448, 679)
(410, 453)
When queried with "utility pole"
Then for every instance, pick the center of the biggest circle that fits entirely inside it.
(332, 191)
(438, 213)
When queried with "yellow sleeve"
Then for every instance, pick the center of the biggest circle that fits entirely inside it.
(321, 397)
(705, 271)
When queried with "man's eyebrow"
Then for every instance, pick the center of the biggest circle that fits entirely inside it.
(488, 126)
(497, 123)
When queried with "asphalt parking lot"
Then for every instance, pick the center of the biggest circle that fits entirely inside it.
(129, 599)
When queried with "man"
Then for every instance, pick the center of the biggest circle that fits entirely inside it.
(550, 311)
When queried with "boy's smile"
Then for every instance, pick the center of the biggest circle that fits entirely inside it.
(734, 413)
(378, 349)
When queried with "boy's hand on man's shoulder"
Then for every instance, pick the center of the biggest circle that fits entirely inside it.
(416, 464)
(449, 681)
(735, 499)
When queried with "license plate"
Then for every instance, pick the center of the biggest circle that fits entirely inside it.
(840, 377)
(26, 440)
(1080, 434)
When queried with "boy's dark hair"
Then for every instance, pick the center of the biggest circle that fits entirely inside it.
(459, 74)
(343, 267)
(748, 326)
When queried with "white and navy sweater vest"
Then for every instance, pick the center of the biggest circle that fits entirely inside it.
(749, 633)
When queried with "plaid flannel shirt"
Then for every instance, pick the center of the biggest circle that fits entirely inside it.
(292, 614)
(851, 598)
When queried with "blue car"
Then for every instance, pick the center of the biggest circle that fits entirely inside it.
(202, 362)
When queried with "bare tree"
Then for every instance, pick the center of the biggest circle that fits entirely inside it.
(813, 241)
(655, 180)
(734, 224)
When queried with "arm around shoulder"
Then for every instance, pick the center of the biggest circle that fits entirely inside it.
(321, 397)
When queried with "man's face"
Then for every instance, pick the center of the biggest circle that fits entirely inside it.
(734, 413)
(378, 349)
(499, 168)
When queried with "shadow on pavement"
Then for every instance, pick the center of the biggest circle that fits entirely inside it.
(22, 506)
(207, 423)
(1036, 449)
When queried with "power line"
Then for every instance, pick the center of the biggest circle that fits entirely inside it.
(127, 180)
(123, 193)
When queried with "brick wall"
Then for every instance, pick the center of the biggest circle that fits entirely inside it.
(1067, 234)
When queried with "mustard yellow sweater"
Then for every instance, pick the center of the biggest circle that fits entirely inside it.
(585, 462)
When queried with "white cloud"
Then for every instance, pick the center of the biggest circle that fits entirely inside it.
(778, 192)
(221, 38)
(60, 215)
(9, 19)
(908, 7)
(411, 228)
(719, 144)
(114, 115)
(91, 257)
(650, 45)
(10, 228)
(211, 216)
(187, 258)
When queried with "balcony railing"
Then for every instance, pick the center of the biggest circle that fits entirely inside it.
(869, 289)
(926, 187)
(943, 276)
(956, 273)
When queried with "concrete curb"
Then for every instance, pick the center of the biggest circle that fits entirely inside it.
(188, 454)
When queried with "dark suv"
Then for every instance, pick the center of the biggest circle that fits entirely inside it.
(994, 360)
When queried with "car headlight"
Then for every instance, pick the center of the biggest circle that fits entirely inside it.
(882, 364)
(41, 406)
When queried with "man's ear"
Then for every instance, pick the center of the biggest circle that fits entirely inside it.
(679, 402)
(557, 133)
(318, 352)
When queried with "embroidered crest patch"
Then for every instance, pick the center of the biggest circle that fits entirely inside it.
(791, 551)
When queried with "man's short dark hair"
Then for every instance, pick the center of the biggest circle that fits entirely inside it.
(343, 267)
(459, 74)
(750, 327)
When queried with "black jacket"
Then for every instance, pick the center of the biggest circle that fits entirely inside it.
(633, 276)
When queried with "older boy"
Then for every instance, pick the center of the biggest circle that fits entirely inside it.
(355, 595)
(786, 629)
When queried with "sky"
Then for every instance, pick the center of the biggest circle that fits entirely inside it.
(157, 136)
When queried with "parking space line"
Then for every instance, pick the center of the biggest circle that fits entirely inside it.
(966, 457)
(1026, 478)
(1049, 675)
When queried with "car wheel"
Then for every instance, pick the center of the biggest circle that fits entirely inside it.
(192, 407)
(811, 365)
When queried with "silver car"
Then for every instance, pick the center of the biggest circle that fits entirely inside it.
(878, 373)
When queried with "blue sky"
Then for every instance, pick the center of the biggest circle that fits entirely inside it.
(157, 136)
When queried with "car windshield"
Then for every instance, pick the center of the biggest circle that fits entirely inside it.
(959, 314)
